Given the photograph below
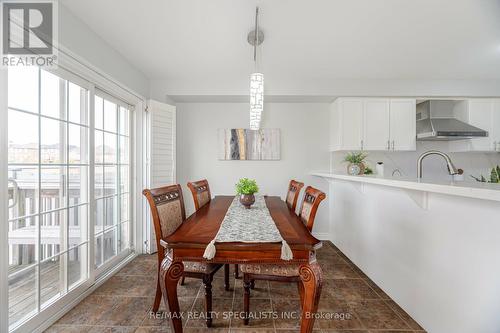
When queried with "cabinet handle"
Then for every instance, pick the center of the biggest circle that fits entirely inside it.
(392, 144)
(388, 144)
(362, 142)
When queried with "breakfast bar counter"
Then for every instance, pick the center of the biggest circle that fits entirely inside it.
(432, 246)
(476, 190)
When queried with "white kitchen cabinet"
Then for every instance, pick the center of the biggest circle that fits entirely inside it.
(483, 113)
(376, 124)
(403, 124)
(346, 125)
(373, 124)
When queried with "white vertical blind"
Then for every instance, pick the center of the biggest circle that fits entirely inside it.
(162, 162)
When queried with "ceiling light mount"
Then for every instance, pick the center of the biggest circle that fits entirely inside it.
(255, 41)
(256, 36)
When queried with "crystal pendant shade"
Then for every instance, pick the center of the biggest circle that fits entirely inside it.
(256, 99)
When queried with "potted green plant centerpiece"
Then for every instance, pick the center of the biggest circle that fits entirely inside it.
(246, 188)
(356, 164)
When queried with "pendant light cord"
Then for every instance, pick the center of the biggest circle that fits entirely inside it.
(256, 36)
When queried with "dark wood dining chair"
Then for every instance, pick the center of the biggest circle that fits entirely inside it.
(292, 195)
(168, 213)
(282, 272)
(201, 193)
(202, 196)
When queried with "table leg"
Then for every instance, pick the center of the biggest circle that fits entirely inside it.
(236, 271)
(170, 273)
(300, 286)
(311, 277)
(226, 277)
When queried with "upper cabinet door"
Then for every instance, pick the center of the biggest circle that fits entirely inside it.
(351, 114)
(335, 130)
(481, 115)
(403, 124)
(376, 124)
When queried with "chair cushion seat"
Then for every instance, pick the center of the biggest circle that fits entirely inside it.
(271, 269)
(198, 267)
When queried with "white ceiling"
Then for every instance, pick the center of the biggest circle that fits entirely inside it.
(193, 45)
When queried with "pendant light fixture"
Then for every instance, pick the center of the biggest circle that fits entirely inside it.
(255, 38)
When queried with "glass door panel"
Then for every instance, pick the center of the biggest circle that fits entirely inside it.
(23, 142)
(52, 279)
(23, 296)
(50, 95)
(77, 259)
(23, 89)
(48, 170)
(112, 178)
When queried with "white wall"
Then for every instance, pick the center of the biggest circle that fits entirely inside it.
(440, 265)
(304, 148)
(85, 43)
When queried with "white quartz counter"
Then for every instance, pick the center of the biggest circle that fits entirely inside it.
(476, 190)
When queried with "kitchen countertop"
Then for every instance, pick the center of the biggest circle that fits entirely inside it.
(476, 190)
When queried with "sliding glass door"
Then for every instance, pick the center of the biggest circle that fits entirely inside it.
(54, 179)
(112, 177)
(48, 169)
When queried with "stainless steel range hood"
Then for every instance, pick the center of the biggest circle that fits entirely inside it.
(436, 122)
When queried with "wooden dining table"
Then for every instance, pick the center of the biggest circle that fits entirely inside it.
(189, 241)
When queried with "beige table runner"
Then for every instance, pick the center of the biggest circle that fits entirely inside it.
(254, 225)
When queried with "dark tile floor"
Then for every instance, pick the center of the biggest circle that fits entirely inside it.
(350, 302)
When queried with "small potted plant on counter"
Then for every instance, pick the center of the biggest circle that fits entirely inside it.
(246, 188)
(356, 164)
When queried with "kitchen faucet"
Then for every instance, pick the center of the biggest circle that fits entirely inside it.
(451, 168)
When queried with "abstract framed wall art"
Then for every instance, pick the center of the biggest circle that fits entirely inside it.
(250, 145)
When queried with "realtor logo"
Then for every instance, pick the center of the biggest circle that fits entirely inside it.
(28, 33)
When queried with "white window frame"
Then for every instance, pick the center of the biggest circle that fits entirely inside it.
(80, 69)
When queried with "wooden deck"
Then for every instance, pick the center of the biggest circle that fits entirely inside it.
(22, 289)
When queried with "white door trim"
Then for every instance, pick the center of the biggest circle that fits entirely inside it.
(4, 226)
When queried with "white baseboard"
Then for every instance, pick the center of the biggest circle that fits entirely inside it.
(322, 235)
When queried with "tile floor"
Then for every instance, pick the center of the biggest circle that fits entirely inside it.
(350, 302)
